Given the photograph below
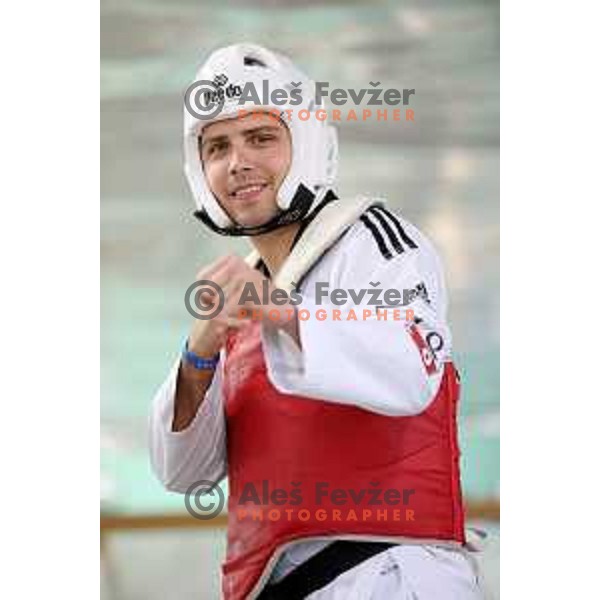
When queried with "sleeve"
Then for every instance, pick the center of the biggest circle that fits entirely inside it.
(180, 458)
(388, 366)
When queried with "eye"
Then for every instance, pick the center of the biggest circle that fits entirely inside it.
(262, 138)
(216, 148)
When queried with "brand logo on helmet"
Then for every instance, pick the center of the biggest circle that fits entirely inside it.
(220, 93)
(221, 80)
(205, 99)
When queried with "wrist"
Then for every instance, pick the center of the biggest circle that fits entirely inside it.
(199, 360)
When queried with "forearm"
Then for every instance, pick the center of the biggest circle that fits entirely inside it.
(193, 446)
(190, 391)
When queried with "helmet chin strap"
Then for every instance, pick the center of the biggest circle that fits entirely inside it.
(299, 207)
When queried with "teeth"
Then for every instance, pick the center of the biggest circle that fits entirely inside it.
(248, 190)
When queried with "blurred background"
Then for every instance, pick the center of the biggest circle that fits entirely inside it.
(441, 172)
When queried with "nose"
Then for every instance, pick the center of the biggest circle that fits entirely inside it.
(238, 160)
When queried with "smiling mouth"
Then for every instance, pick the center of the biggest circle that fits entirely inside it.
(248, 191)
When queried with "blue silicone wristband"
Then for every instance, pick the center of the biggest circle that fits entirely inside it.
(198, 362)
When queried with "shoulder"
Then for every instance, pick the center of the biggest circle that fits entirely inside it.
(381, 245)
(378, 244)
(386, 231)
(382, 238)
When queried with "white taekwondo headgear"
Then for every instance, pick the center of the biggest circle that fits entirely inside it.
(313, 168)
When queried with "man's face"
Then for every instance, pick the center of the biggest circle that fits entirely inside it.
(245, 160)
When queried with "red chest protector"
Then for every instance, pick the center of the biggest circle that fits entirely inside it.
(281, 442)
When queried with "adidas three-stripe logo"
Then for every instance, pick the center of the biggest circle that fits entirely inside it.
(387, 231)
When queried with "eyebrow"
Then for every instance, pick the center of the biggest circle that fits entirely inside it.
(245, 133)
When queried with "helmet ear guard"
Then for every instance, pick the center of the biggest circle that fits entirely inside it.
(313, 167)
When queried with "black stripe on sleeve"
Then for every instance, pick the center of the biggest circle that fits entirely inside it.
(405, 238)
(391, 234)
(378, 237)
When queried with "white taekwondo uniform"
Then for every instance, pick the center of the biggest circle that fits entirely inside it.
(371, 363)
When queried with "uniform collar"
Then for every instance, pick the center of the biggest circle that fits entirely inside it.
(329, 222)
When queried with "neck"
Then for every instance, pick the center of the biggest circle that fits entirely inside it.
(275, 246)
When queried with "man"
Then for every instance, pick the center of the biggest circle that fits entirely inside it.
(345, 426)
